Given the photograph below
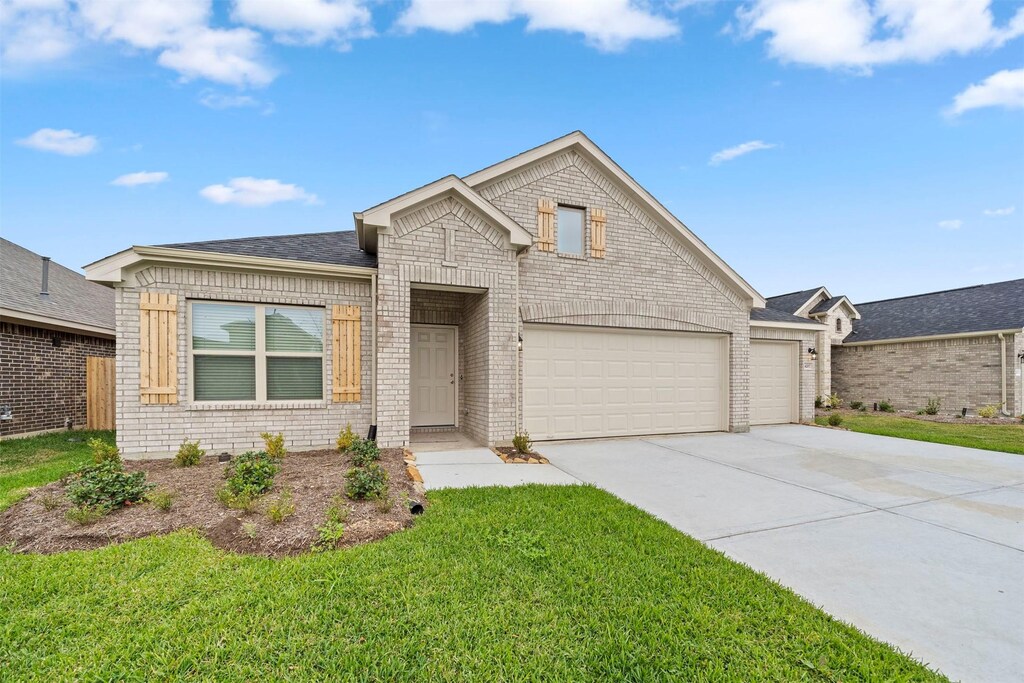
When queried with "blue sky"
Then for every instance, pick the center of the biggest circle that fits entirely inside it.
(884, 141)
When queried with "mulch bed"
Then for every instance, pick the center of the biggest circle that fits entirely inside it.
(942, 417)
(511, 455)
(314, 479)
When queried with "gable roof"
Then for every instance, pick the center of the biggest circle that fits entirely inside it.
(586, 148)
(792, 302)
(981, 308)
(773, 315)
(73, 302)
(833, 302)
(336, 248)
(378, 218)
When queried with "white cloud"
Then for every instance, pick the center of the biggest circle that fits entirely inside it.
(309, 22)
(226, 56)
(140, 178)
(64, 141)
(218, 100)
(860, 34)
(1001, 89)
(248, 191)
(951, 224)
(739, 150)
(1000, 212)
(608, 25)
(35, 31)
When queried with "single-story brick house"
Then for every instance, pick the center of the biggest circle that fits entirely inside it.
(963, 346)
(549, 293)
(51, 320)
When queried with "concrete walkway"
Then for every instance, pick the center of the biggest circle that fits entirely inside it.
(481, 467)
(918, 544)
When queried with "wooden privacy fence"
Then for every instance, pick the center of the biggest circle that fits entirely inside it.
(99, 392)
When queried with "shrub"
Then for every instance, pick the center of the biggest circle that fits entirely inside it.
(346, 438)
(245, 502)
(835, 419)
(251, 530)
(281, 508)
(251, 473)
(103, 451)
(189, 454)
(522, 443)
(834, 401)
(988, 411)
(50, 501)
(857, 405)
(932, 407)
(85, 514)
(384, 502)
(106, 485)
(364, 452)
(275, 445)
(366, 482)
(161, 499)
(818, 402)
(330, 532)
(886, 407)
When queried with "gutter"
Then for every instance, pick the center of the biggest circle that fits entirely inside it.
(1002, 375)
(934, 337)
(373, 349)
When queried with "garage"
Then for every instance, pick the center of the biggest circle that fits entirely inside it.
(586, 382)
(773, 382)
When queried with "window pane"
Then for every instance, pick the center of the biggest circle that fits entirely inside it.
(294, 378)
(570, 230)
(216, 326)
(224, 378)
(295, 329)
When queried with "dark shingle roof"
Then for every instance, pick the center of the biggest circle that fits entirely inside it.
(335, 248)
(72, 298)
(825, 305)
(777, 316)
(790, 303)
(981, 308)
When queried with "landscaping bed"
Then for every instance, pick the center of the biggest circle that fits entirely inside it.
(314, 481)
(994, 434)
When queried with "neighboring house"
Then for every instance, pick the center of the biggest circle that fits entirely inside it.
(962, 346)
(51, 319)
(549, 293)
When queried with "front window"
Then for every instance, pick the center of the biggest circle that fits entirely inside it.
(246, 352)
(839, 324)
(570, 230)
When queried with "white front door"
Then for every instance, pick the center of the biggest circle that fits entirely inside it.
(432, 376)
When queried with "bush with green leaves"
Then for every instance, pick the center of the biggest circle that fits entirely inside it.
(346, 437)
(331, 531)
(245, 502)
(274, 445)
(281, 508)
(988, 411)
(835, 419)
(886, 407)
(103, 451)
(189, 454)
(107, 486)
(366, 482)
(85, 514)
(932, 407)
(522, 443)
(819, 402)
(364, 452)
(251, 473)
(856, 405)
(161, 499)
(834, 402)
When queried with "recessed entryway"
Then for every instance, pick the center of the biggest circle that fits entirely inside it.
(433, 382)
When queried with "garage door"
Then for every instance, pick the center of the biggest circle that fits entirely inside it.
(581, 382)
(773, 382)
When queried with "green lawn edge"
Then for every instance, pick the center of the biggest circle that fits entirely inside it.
(1007, 438)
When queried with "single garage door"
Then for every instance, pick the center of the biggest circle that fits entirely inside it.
(773, 382)
(582, 382)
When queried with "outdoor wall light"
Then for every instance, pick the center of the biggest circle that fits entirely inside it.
(813, 353)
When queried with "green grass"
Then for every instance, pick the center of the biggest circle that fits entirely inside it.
(38, 460)
(1007, 438)
(527, 584)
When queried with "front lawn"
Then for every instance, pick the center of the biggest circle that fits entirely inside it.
(1008, 438)
(38, 460)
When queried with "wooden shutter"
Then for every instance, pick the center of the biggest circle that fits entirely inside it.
(597, 224)
(158, 348)
(345, 354)
(546, 224)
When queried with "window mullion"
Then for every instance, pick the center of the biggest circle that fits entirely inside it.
(261, 354)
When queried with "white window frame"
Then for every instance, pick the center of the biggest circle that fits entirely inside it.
(582, 211)
(260, 353)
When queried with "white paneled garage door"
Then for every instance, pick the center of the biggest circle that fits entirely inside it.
(773, 382)
(582, 382)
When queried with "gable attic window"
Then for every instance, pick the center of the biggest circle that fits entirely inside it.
(839, 324)
(246, 352)
(569, 227)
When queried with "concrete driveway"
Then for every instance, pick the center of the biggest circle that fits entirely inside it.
(918, 544)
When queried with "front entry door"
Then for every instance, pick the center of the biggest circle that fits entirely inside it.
(432, 376)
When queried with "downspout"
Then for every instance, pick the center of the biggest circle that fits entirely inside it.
(1002, 375)
(373, 349)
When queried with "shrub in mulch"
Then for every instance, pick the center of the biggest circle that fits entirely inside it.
(309, 481)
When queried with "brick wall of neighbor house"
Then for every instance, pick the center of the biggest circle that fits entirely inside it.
(157, 430)
(807, 369)
(414, 251)
(646, 280)
(961, 372)
(43, 383)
